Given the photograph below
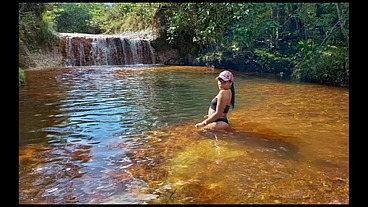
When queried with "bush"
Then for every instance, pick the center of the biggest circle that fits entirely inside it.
(21, 77)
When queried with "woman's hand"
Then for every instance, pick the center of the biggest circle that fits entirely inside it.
(201, 124)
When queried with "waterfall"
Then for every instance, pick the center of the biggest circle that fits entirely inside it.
(88, 50)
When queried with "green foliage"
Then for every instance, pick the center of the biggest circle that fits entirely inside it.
(103, 17)
(275, 36)
(38, 9)
(34, 29)
(74, 17)
(273, 62)
(21, 77)
(326, 65)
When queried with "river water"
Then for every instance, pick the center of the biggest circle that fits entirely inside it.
(126, 135)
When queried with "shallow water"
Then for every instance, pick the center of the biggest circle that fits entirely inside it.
(125, 134)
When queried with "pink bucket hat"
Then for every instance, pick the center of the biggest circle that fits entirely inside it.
(225, 75)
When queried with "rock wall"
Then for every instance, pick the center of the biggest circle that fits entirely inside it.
(24, 56)
(168, 57)
(40, 58)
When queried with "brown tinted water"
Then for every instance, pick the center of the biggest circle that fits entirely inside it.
(126, 135)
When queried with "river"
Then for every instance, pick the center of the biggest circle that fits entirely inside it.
(126, 135)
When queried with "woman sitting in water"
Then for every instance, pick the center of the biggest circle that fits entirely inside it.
(220, 105)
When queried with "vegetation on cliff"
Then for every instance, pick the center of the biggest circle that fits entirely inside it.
(309, 41)
(21, 77)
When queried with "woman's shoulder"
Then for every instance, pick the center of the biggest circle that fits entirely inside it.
(223, 92)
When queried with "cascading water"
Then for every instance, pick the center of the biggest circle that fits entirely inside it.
(88, 50)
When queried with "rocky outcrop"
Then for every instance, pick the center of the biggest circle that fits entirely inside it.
(169, 57)
(39, 58)
(24, 56)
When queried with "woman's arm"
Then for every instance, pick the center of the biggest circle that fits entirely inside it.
(222, 99)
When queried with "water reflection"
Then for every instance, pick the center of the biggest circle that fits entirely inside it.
(126, 135)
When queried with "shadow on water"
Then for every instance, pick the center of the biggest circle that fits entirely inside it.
(264, 143)
(185, 165)
(182, 165)
(270, 142)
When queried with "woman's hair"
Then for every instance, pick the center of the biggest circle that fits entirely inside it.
(233, 96)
